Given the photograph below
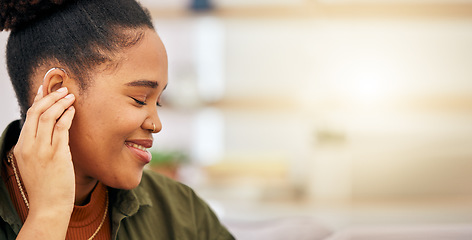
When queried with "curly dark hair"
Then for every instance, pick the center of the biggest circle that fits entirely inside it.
(78, 35)
(15, 13)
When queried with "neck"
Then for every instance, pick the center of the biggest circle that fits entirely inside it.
(83, 190)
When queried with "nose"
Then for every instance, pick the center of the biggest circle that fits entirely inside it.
(157, 125)
(152, 122)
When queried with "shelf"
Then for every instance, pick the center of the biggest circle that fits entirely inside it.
(323, 10)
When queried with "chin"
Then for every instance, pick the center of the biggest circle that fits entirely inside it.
(127, 182)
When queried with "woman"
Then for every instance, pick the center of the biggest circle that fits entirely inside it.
(88, 76)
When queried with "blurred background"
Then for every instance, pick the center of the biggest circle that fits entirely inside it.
(348, 112)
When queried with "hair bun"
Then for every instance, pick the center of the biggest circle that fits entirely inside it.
(17, 13)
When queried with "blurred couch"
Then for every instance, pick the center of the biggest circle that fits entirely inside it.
(300, 228)
(303, 228)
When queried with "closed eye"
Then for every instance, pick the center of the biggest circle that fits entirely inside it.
(144, 103)
(139, 102)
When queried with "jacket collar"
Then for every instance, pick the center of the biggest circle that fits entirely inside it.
(128, 202)
(7, 210)
(9, 138)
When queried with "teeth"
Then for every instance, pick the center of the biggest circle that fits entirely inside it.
(136, 146)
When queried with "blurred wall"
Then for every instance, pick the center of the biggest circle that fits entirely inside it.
(329, 100)
(9, 107)
(359, 104)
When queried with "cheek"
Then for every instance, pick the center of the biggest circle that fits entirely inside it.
(108, 121)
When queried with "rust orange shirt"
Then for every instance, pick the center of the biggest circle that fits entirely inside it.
(84, 221)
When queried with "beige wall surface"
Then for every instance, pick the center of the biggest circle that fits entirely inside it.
(314, 103)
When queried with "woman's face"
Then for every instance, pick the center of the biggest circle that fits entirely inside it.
(115, 116)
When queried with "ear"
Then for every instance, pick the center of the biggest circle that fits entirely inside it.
(53, 80)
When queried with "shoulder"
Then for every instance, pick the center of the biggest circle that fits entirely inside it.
(181, 207)
(169, 196)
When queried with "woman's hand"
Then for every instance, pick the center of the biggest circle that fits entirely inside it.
(45, 163)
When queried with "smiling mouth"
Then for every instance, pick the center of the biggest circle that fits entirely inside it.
(136, 146)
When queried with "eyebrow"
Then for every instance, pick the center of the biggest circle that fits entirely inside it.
(143, 83)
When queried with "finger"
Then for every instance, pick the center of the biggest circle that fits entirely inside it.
(49, 118)
(60, 136)
(34, 112)
(29, 130)
(39, 95)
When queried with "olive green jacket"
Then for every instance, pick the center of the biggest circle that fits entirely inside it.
(159, 208)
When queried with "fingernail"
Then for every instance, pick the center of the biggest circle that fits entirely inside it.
(69, 96)
(40, 89)
(62, 89)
